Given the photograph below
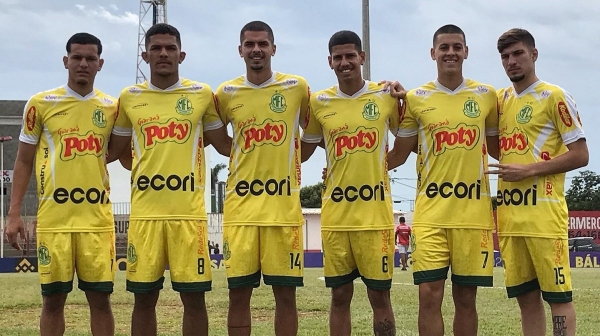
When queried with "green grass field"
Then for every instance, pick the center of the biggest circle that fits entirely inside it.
(20, 307)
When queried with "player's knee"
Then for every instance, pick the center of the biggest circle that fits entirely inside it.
(562, 308)
(99, 302)
(342, 296)
(54, 303)
(285, 296)
(240, 296)
(431, 294)
(530, 300)
(146, 301)
(194, 301)
(380, 299)
(465, 297)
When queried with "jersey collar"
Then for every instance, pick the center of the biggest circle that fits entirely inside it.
(170, 88)
(261, 85)
(76, 95)
(357, 94)
(530, 89)
(448, 91)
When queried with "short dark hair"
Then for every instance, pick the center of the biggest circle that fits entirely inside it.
(402, 219)
(513, 36)
(162, 28)
(448, 29)
(345, 37)
(257, 26)
(84, 38)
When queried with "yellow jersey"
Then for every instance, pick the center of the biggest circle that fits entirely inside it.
(356, 130)
(71, 133)
(167, 175)
(535, 125)
(263, 186)
(452, 189)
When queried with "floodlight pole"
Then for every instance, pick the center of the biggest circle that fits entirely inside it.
(366, 40)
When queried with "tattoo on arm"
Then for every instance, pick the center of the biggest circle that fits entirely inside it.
(559, 325)
(384, 328)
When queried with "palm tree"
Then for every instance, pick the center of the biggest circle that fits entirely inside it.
(214, 178)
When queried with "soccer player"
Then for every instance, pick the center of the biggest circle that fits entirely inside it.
(450, 118)
(403, 233)
(541, 138)
(66, 130)
(167, 117)
(262, 214)
(353, 119)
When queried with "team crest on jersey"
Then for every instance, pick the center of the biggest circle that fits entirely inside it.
(131, 255)
(471, 109)
(371, 111)
(525, 115)
(44, 257)
(277, 102)
(98, 118)
(184, 106)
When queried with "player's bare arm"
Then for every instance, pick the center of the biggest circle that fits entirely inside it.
(220, 140)
(576, 157)
(493, 147)
(403, 146)
(307, 149)
(117, 146)
(126, 160)
(22, 174)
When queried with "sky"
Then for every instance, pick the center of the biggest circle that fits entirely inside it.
(35, 33)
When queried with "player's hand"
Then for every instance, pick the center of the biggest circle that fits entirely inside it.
(510, 172)
(13, 229)
(324, 174)
(396, 89)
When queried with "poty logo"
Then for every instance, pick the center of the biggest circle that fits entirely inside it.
(75, 144)
(196, 87)
(463, 136)
(545, 94)
(269, 132)
(172, 130)
(228, 88)
(420, 92)
(564, 114)
(363, 140)
(291, 81)
(515, 142)
(50, 97)
(483, 89)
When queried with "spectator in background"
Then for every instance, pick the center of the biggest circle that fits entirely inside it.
(216, 248)
(403, 233)
(211, 247)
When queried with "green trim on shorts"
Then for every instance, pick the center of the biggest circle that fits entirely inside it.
(379, 285)
(524, 288)
(431, 275)
(192, 287)
(101, 286)
(557, 297)
(283, 280)
(57, 287)
(473, 280)
(252, 280)
(339, 281)
(144, 287)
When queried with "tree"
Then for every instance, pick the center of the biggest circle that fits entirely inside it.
(584, 193)
(214, 178)
(310, 196)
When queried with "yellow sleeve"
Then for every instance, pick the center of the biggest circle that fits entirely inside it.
(211, 119)
(409, 125)
(221, 104)
(565, 117)
(395, 115)
(491, 121)
(32, 122)
(313, 132)
(304, 108)
(122, 123)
